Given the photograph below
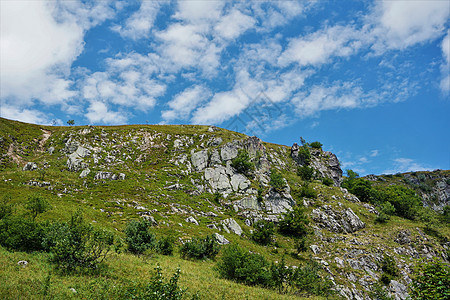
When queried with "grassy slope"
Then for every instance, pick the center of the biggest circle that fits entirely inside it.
(110, 205)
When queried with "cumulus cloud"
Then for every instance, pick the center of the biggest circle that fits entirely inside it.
(138, 25)
(185, 102)
(25, 115)
(234, 24)
(403, 165)
(98, 112)
(445, 68)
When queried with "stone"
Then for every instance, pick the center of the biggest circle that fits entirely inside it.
(229, 151)
(403, 237)
(108, 175)
(51, 150)
(85, 173)
(239, 182)
(278, 202)
(73, 290)
(344, 221)
(30, 166)
(191, 220)
(22, 263)
(230, 225)
(315, 249)
(215, 158)
(215, 142)
(218, 179)
(399, 291)
(199, 159)
(212, 226)
(221, 240)
(249, 202)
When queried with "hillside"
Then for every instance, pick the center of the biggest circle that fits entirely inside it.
(194, 181)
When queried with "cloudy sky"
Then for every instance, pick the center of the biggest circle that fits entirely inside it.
(370, 80)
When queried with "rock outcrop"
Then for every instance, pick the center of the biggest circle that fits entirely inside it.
(339, 221)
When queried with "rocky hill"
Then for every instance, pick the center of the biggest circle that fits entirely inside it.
(190, 181)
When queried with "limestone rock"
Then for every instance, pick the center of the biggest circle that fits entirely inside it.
(215, 158)
(344, 221)
(51, 150)
(191, 220)
(218, 179)
(75, 162)
(85, 173)
(109, 175)
(399, 291)
(199, 159)
(249, 202)
(230, 225)
(23, 263)
(221, 240)
(315, 249)
(278, 202)
(239, 182)
(229, 151)
(30, 166)
(215, 142)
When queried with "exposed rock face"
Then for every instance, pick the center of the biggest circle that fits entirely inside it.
(229, 151)
(30, 166)
(75, 161)
(239, 182)
(218, 179)
(221, 240)
(200, 159)
(192, 220)
(230, 225)
(400, 291)
(85, 173)
(278, 202)
(345, 221)
(109, 176)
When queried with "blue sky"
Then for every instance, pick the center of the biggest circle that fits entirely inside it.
(370, 80)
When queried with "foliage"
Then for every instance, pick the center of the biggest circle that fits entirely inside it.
(405, 201)
(37, 205)
(306, 173)
(6, 207)
(263, 232)
(77, 245)
(242, 162)
(21, 234)
(71, 122)
(390, 269)
(157, 289)
(386, 210)
(200, 248)
(276, 180)
(316, 145)
(431, 281)
(307, 191)
(295, 222)
(304, 155)
(242, 266)
(327, 181)
(165, 245)
(301, 245)
(446, 214)
(259, 197)
(280, 275)
(306, 279)
(138, 236)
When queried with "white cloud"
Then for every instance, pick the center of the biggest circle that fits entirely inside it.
(400, 24)
(403, 165)
(98, 112)
(234, 24)
(319, 47)
(185, 102)
(374, 153)
(445, 68)
(139, 24)
(199, 11)
(24, 115)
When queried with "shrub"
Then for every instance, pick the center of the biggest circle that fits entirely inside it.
(446, 214)
(138, 236)
(390, 269)
(165, 245)
(304, 155)
(157, 288)
(77, 245)
(327, 181)
(307, 279)
(280, 275)
(6, 207)
(37, 205)
(307, 191)
(21, 234)
(263, 232)
(259, 197)
(301, 245)
(242, 162)
(294, 223)
(242, 266)
(276, 180)
(199, 248)
(316, 145)
(406, 202)
(306, 173)
(431, 281)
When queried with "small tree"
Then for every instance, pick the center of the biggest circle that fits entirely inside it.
(276, 180)
(71, 122)
(294, 223)
(263, 232)
(138, 236)
(316, 145)
(306, 173)
(37, 205)
(242, 162)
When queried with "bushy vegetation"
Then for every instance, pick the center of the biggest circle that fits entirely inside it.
(242, 162)
(431, 281)
(21, 234)
(263, 232)
(200, 248)
(304, 155)
(37, 204)
(308, 191)
(389, 268)
(276, 180)
(306, 173)
(138, 236)
(77, 245)
(294, 222)
(327, 181)
(316, 145)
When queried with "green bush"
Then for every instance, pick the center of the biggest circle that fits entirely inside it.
(276, 180)
(316, 145)
(6, 207)
(21, 234)
(242, 266)
(295, 222)
(446, 214)
(165, 245)
(304, 155)
(301, 245)
(198, 248)
(327, 181)
(307, 191)
(306, 279)
(242, 162)
(407, 204)
(431, 281)
(263, 232)
(306, 173)
(138, 236)
(389, 268)
(37, 205)
(157, 288)
(77, 245)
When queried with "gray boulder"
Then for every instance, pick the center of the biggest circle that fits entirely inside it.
(199, 159)
(278, 202)
(229, 151)
(221, 240)
(344, 221)
(239, 182)
(249, 202)
(30, 166)
(215, 142)
(75, 162)
(230, 225)
(191, 220)
(85, 173)
(218, 179)
(51, 150)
